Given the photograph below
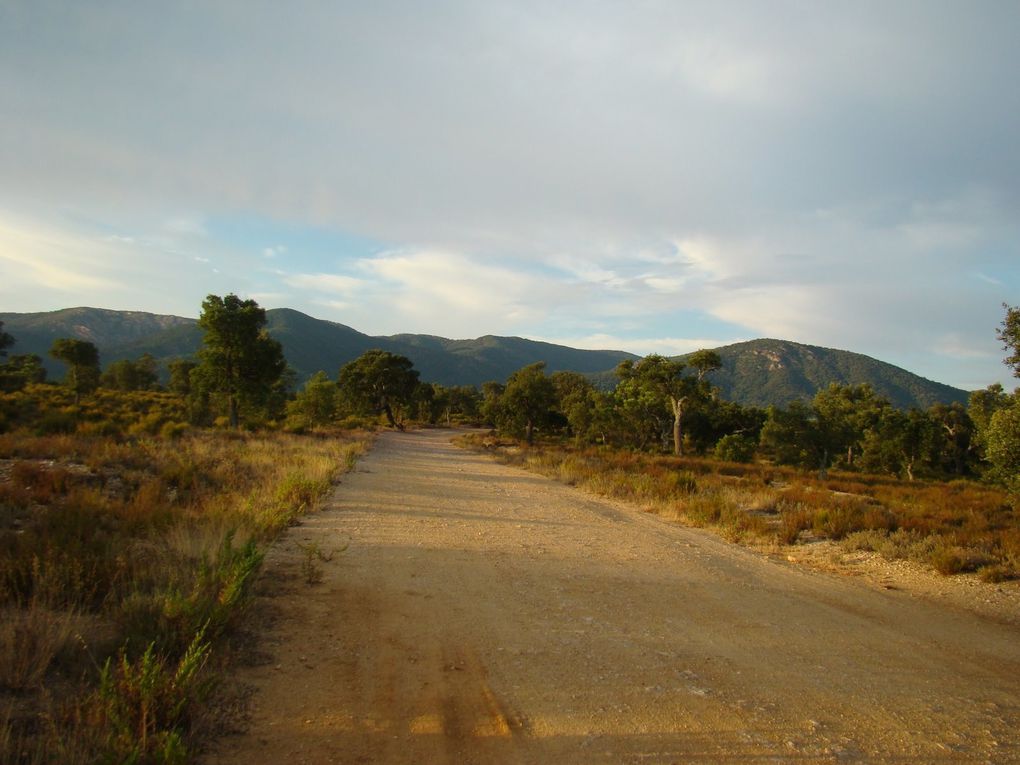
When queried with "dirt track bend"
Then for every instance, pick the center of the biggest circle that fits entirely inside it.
(485, 615)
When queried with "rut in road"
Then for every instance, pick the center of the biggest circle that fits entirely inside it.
(480, 614)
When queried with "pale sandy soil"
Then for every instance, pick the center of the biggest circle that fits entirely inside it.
(481, 614)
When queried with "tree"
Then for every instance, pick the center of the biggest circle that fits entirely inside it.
(1003, 445)
(462, 400)
(316, 404)
(528, 401)
(952, 442)
(898, 442)
(377, 381)
(82, 359)
(21, 370)
(238, 359)
(704, 361)
(981, 405)
(845, 413)
(492, 396)
(6, 341)
(1009, 333)
(585, 409)
(793, 436)
(180, 376)
(131, 375)
(663, 380)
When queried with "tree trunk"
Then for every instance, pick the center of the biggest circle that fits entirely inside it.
(388, 411)
(678, 414)
(232, 403)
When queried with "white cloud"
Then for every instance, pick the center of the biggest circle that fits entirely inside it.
(431, 288)
(37, 257)
(641, 346)
(272, 252)
(835, 173)
(325, 283)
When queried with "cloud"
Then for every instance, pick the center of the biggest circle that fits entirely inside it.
(837, 173)
(641, 346)
(325, 283)
(447, 291)
(36, 257)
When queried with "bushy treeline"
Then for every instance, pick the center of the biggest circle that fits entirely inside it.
(130, 538)
(662, 404)
(848, 427)
(658, 404)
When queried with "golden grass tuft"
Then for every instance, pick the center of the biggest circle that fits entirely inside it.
(150, 535)
(951, 527)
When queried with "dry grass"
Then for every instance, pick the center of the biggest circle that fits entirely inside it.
(951, 527)
(135, 549)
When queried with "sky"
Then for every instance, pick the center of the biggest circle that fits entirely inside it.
(642, 176)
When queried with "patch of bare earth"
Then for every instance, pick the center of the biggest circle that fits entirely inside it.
(480, 614)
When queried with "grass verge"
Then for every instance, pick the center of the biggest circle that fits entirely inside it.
(125, 561)
(952, 527)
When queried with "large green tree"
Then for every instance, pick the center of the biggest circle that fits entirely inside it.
(845, 413)
(316, 404)
(1003, 445)
(6, 341)
(954, 431)
(378, 382)
(528, 401)
(793, 436)
(180, 376)
(125, 374)
(664, 380)
(82, 360)
(20, 370)
(1009, 334)
(238, 359)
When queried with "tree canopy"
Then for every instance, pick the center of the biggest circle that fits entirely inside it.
(658, 379)
(125, 374)
(377, 382)
(82, 359)
(1009, 333)
(527, 401)
(6, 341)
(238, 359)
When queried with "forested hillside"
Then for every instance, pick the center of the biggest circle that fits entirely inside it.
(763, 372)
(759, 372)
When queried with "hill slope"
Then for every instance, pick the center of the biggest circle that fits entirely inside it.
(763, 372)
(759, 372)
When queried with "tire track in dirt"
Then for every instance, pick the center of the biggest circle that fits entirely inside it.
(485, 615)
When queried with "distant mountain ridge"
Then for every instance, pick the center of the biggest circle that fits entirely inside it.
(768, 371)
(758, 372)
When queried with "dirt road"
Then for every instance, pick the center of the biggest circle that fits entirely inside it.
(485, 615)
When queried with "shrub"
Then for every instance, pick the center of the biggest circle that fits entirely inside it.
(735, 448)
(140, 709)
(793, 520)
(173, 430)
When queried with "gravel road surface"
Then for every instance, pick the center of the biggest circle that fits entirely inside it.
(481, 614)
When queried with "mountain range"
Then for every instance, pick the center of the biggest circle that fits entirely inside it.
(757, 372)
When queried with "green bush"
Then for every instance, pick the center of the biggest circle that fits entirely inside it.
(735, 448)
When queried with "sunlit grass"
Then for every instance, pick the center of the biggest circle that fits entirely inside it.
(951, 527)
(134, 552)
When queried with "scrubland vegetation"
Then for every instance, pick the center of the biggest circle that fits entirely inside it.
(124, 561)
(132, 526)
(939, 487)
(134, 517)
(951, 526)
